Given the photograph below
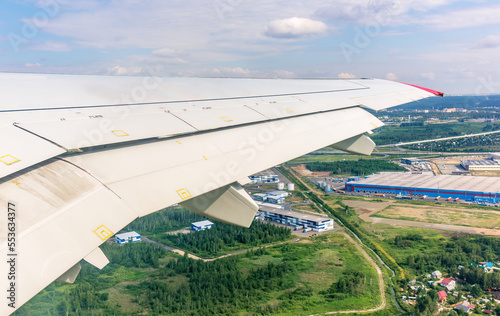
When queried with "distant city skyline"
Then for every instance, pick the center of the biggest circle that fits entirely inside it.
(447, 45)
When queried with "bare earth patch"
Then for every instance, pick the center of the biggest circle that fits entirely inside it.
(367, 208)
(303, 171)
(467, 221)
(441, 215)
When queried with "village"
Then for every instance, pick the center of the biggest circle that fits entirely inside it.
(454, 293)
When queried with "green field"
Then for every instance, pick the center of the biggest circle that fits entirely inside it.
(289, 279)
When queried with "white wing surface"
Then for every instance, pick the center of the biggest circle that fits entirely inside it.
(83, 156)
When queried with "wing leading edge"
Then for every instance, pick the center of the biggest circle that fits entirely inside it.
(79, 168)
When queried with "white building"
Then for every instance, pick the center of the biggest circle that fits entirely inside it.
(125, 238)
(201, 225)
(283, 194)
(494, 156)
(296, 219)
(480, 165)
(259, 197)
(264, 177)
(437, 274)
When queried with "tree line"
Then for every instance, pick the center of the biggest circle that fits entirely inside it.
(167, 220)
(214, 288)
(459, 250)
(221, 237)
(360, 167)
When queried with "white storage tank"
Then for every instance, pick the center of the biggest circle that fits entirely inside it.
(281, 186)
(291, 187)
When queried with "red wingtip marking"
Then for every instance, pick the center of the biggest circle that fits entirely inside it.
(441, 94)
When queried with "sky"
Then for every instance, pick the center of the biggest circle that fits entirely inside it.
(446, 45)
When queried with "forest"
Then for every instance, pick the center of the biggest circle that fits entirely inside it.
(458, 250)
(214, 288)
(222, 238)
(170, 219)
(484, 143)
(360, 167)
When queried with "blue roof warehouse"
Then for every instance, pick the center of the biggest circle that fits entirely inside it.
(468, 188)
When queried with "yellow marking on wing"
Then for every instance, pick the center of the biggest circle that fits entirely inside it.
(9, 160)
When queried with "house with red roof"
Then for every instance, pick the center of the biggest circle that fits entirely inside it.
(449, 284)
(442, 296)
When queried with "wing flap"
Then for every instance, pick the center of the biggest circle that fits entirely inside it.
(216, 205)
(204, 162)
(63, 215)
(102, 129)
(20, 149)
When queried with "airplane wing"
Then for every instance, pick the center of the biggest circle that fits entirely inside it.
(83, 156)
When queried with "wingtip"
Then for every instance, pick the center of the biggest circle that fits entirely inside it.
(436, 93)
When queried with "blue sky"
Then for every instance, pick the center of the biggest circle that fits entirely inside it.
(447, 45)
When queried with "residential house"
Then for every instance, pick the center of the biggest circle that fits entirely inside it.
(449, 284)
(463, 308)
(442, 296)
(437, 274)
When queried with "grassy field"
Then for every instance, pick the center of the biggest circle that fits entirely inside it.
(387, 233)
(443, 215)
(317, 263)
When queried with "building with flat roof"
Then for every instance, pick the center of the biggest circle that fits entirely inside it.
(264, 177)
(125, 238)
(410, 161)
(480, 165)
(259, 197)
(201, 225)
(296, 219)
(494, 156)
(470, 188)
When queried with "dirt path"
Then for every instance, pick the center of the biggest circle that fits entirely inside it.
(380, 281)
(181, 252)
(371, 261)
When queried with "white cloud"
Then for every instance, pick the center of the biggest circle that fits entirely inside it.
(168, 52)
(345, 75)
(491, 41)
(391, 76)
(389, 13)
(457, 19)
(429, 75)
(51, 46)
(239, 72)
(283, 74)
(295, 28)
(31, 65)
(374, 11)
(125, 71)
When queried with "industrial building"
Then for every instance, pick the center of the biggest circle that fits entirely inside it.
(281, 207)
(480, 165)
(468, 188)
(410, 161)
(271, 197)
(201, 225)
(494, 156)
(295, 219)
(264, 177)
(125, 238)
